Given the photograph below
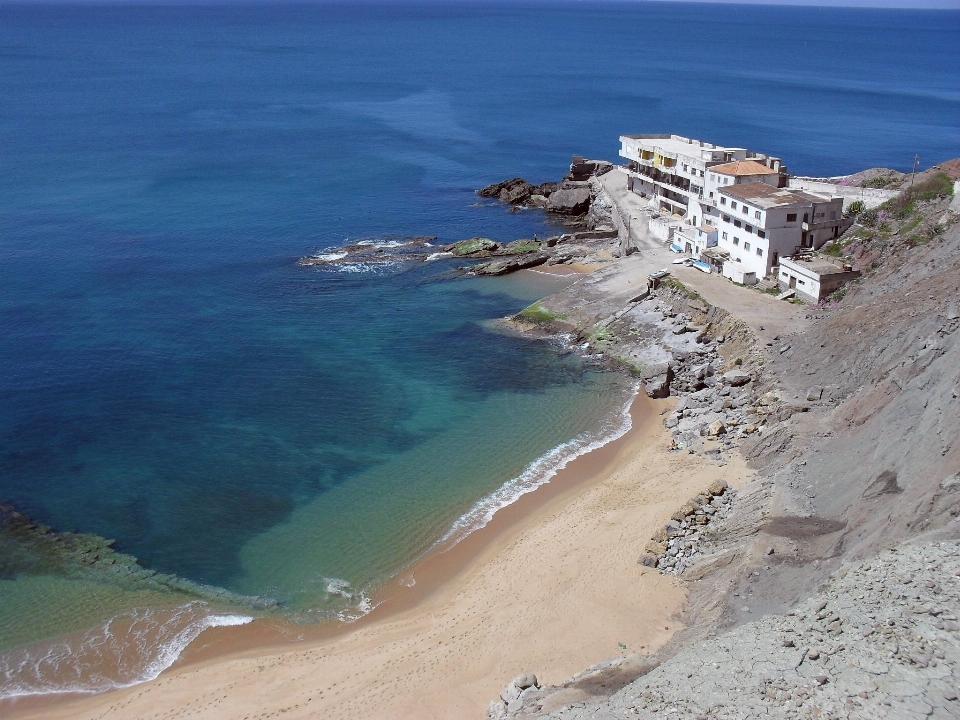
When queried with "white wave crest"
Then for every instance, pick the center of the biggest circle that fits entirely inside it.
(360, 602)
(127, 650)
(438, 255)
(331, 257)
(540, 472)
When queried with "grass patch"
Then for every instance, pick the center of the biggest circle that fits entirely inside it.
(675, 284)
(601, 335)
(521, 247)
(538, 313)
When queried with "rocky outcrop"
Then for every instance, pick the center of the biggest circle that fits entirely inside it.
(474, 247)
(582, 169)
(502, 267)
(570, 200)
(579, 199)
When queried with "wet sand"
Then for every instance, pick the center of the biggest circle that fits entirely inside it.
(550, 586)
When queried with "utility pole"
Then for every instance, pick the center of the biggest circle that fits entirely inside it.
(916, 159)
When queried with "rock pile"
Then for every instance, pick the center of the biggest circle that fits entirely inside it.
(676, 546)
(514, 696)
(573, 198)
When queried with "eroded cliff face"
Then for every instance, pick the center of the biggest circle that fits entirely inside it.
(873, 462)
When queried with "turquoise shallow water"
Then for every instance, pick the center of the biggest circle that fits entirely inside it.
(170, 378)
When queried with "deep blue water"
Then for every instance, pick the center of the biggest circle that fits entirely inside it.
(169, 376)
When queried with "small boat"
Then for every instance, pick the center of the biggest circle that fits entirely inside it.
(680, 261)
(676, 248)
(702, 266)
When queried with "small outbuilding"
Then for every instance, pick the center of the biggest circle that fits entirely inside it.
(813, 277)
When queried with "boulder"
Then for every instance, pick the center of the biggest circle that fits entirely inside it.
(473, 246)
(658, 387)
(653, 370)
(716, 428)
(648, 560)
(717, 487)
(655, 547)
(736, 378)
(516, 194)
(546, 189)
(569, 201)
(526, 680)
(814, 394)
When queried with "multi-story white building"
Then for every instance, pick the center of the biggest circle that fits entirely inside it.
(672, 171)
(759, 223)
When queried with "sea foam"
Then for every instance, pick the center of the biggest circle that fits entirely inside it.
(540, 472)
(128, 649)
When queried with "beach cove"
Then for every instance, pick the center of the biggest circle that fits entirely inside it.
(553, 583)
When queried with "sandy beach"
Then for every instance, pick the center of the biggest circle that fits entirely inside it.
(551, 586)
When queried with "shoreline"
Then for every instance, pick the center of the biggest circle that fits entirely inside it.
(469, 591)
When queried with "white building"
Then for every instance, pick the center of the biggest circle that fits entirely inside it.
(812, 278)
(740, 172)
(694, 240)
(671, 170)
(759, 223)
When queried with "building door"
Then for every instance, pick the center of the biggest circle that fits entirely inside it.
(776, 259)
(793, 282)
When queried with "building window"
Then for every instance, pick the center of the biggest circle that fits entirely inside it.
(746, 246)
(791, 217)
(759, 252)
(746, 210)
(726, 218)
(737, 223)
(733, 206)
(736, 241)
(723, 201)
(711, 196)
(701, 173)
(761, 234)
(749, 228)
(806, 217)
(757, 214)
(724, 236)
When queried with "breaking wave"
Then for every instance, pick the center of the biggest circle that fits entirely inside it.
(126, 650)
(540, 472)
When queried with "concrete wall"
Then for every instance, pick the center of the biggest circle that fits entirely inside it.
(872, 197)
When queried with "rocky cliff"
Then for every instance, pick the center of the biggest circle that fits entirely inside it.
(858, 454)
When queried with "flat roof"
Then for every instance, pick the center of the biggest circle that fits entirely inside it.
(817, 265)
(707, 228)
(767, 196)
(679, 145)
(743, 167)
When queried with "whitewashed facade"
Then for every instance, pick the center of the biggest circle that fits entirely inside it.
(759, 224)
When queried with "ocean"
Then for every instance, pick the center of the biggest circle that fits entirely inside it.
(172, 379)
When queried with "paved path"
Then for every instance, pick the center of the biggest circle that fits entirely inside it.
(609, 289)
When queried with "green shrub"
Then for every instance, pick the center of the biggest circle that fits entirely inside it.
(854, 209)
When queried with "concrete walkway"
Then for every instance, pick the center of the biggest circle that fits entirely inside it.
(606, 291)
